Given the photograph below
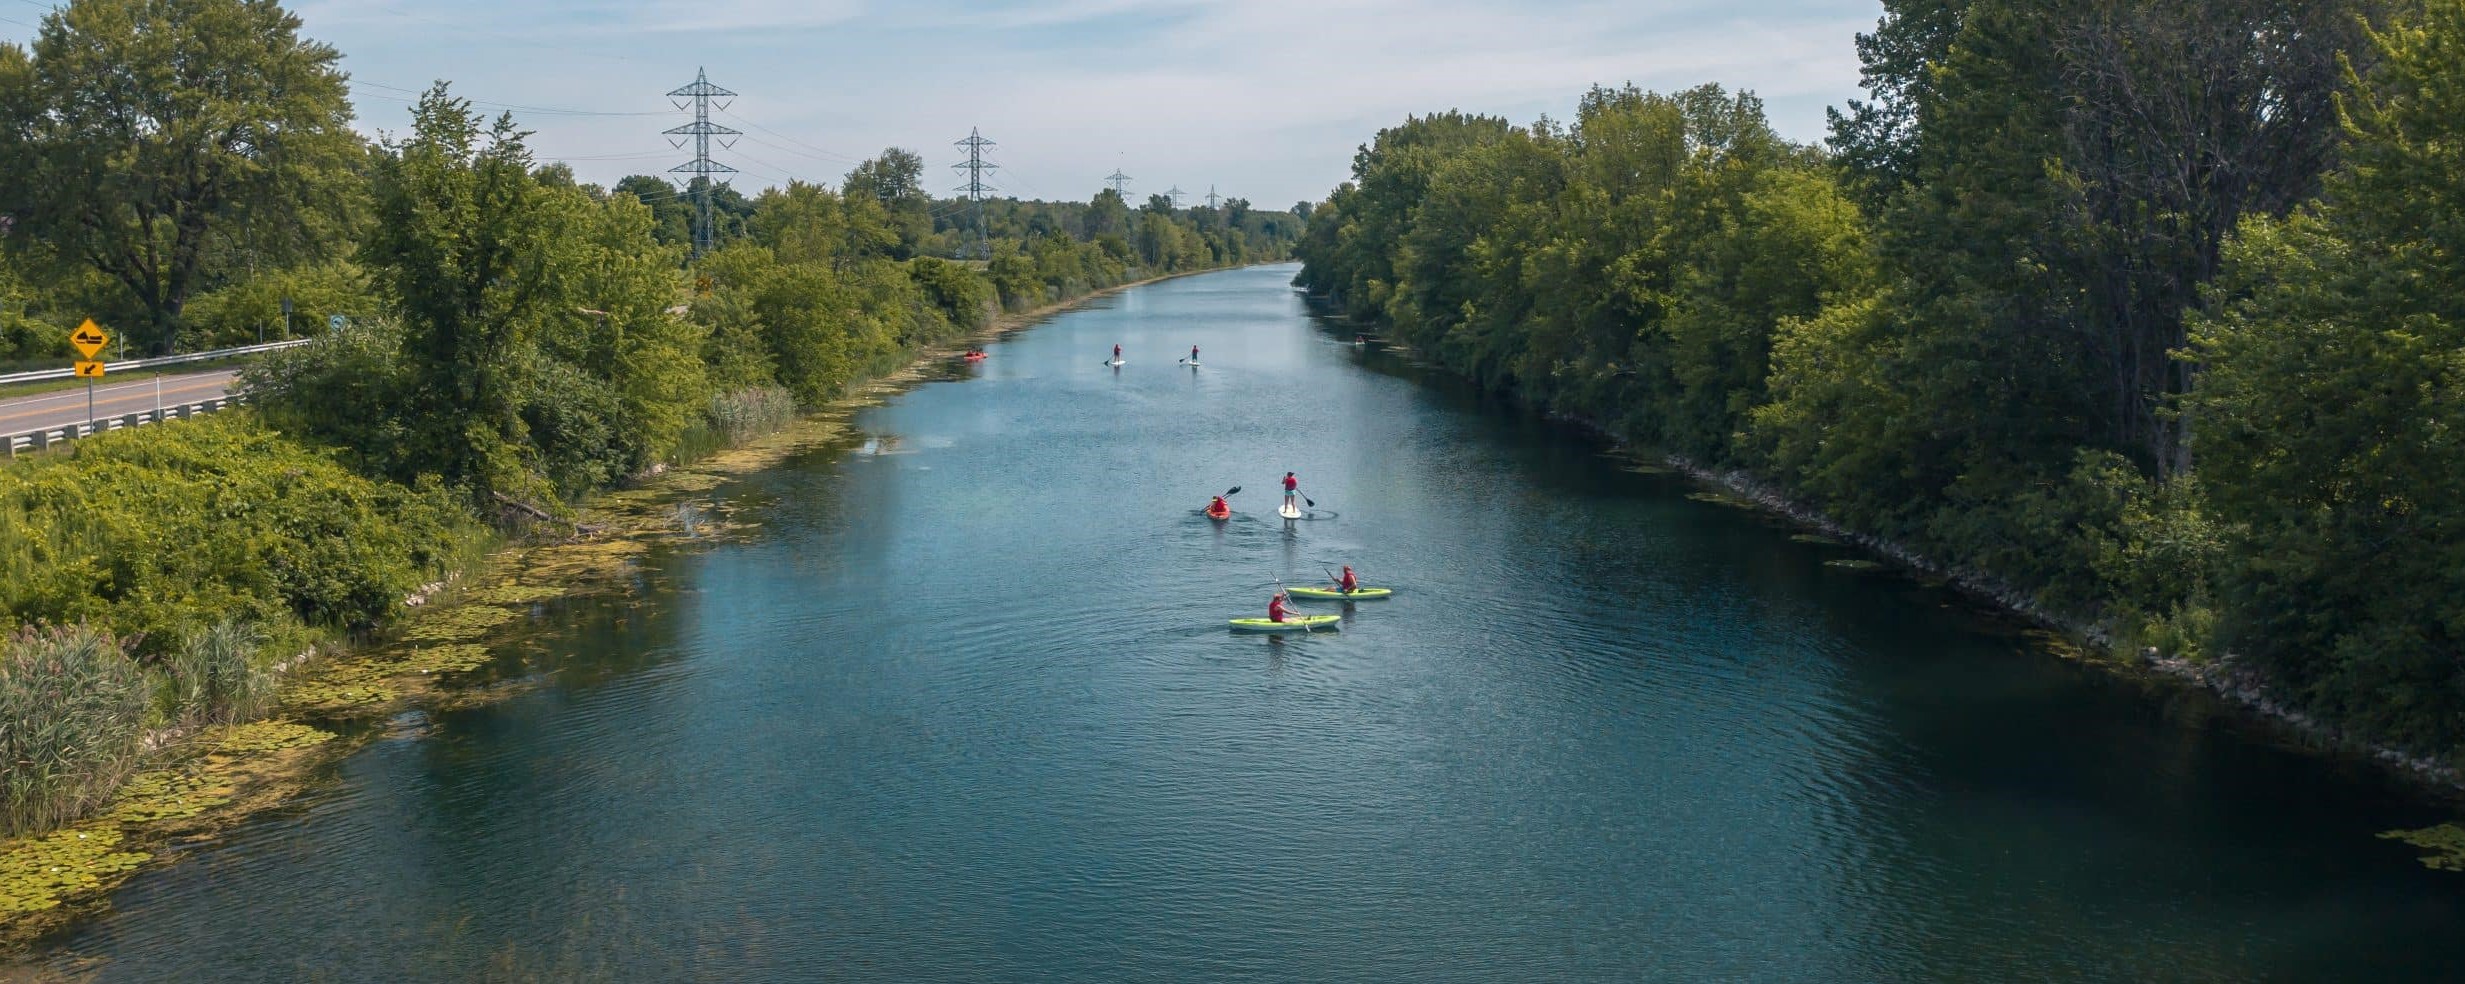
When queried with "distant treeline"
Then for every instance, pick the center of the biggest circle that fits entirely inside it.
(2151, 311)
(513, 336)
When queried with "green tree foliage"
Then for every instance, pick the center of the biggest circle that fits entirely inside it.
(161, 142)
(2330, 411)
(1966, 329)
(895, 181)
(1632, 268)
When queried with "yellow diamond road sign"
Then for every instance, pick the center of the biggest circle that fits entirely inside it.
(90, 370)
(89, 339)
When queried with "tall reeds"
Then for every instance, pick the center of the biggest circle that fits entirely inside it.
(73, 710)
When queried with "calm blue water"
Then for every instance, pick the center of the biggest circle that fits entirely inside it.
(966, 710)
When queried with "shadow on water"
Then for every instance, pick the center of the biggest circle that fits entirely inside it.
(967, 708)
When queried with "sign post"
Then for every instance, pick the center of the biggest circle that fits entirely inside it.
(89, 340)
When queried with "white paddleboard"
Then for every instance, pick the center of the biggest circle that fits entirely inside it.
(1192, 364)
(1116, 363)
(1288, 512)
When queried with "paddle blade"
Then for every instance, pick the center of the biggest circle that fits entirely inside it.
(1232, 490)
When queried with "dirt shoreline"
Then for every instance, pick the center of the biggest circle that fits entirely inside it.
(341, 699)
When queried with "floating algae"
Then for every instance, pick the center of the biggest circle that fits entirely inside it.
(168, 794)
(264, 736)
(2446, 843)
(1854, 565)
(1816, 539)
(511, 593)
(336, 689)
(39, 873)
(461, 622)
(460, 657)
(582, 561)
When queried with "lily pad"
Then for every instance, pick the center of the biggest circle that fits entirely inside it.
(1853, 564)
(460, 622)
(460, 657)
(38, 873)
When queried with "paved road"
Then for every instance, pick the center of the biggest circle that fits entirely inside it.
(61, 408)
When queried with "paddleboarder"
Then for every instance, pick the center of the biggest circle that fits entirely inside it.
(1292, 487)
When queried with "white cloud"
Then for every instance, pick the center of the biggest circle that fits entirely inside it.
(1264, 98)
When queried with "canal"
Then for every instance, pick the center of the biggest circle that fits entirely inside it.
(965, 708)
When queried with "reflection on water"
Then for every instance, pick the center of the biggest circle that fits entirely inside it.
(967, 709)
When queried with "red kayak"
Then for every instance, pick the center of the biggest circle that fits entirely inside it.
(973, 357)
(1214, 513)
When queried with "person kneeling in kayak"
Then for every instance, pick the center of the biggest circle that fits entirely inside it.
(1275, 607)
(1219, 508)
(1347, 583)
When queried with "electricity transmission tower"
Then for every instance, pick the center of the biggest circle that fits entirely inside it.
(701, 167)
(1119, 181)
(975, 166)
(1212, 197)
(1175, 194)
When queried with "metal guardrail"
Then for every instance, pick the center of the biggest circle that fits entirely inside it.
(30, 442)
(65, 372)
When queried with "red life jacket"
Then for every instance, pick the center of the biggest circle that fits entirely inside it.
(1349, 581)
(1275, 609)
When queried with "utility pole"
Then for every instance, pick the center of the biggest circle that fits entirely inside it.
(975, 166)
(1212, 197)
(701, 167)
(1120, 183)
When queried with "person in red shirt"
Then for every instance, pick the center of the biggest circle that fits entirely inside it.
(1275, 607)
(1348, 583)
(1116, 352)
(1292, 487)
(1193, 353)
(1219, 508)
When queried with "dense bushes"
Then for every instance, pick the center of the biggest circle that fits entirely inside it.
(163, 530)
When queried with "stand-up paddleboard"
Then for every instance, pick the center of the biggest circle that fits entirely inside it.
(1115, 363)
(1288, 511)
(1193, 363)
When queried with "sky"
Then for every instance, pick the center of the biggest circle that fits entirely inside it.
(1261, 99)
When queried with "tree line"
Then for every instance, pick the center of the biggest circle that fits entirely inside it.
(513, 338)
(2150, 311)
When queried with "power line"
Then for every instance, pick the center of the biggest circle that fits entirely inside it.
(413, 95)
(975, 166)
(701, 166)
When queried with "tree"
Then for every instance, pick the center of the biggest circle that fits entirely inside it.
(2331, 408)
(464, 246)
(896, 181)
(155, 140)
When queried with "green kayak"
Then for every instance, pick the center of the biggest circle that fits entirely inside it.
(1296, 623)
(1331, 594)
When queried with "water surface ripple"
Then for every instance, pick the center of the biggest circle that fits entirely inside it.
(966, 710)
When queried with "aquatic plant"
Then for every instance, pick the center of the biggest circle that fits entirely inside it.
(38, 874)
(455, 658)
(2446, 843)
(1854, 564)
(460, 622)
(72, 710)
(217, 675)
